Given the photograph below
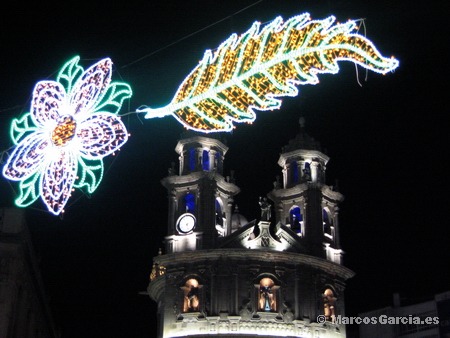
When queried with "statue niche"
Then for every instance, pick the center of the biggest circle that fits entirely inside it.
(191, 299)
(267, 295)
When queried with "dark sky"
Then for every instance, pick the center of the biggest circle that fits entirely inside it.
(385, 135)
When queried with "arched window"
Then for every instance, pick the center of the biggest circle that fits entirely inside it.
(189, 202)
(219, 218)
(191, 295)
(294, 172)
(205, 160)
(296, 219)
(218, 161)
(192, 159)
(267, 295)
(327, 223)
(320, 173)
(307, 172)
(329, 301)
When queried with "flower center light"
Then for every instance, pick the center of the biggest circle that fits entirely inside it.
(64, 131)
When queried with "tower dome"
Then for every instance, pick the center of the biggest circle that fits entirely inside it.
(237, 220)
(302, 140)
(302, 160)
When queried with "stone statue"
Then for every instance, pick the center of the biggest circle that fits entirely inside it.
(266, 214)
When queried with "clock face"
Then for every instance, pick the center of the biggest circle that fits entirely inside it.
(186, 223)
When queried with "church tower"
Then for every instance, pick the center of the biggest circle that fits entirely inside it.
(200, 197)
(220, 275)
(303, 201)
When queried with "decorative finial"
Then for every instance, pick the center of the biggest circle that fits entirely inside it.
(301, 121)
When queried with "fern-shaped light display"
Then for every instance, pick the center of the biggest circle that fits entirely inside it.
(252, 71)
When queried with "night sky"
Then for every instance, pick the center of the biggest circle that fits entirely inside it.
(385, 135)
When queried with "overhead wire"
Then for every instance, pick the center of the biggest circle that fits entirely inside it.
(190, 35)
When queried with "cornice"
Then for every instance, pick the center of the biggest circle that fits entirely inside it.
(287, 193)
(246, 255)
(156, 287)
(188, 179)
(196, 176)
(331, 194)
(203, 141)
(284, 157)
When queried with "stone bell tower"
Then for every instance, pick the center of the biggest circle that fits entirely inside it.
(220, 275)
(200, 197)
(303, 201)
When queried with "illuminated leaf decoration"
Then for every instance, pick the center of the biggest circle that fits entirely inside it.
(89, 173)
(252, 71)
(21, 128)
(71, 127)
(69, 73)
(29, 191)
(114, 97)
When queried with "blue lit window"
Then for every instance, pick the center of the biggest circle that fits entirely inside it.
(295, 219)
(217, 156)
(192, 159)
(205, 160)
(219, 219)
(189, 201)
(294, 168)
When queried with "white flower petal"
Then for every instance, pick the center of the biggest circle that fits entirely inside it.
(27, 157)
(57, 181)
(47, 102)
(100, 135)
(90, 88)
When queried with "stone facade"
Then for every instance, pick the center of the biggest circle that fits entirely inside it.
(281, 275)
(24, 311)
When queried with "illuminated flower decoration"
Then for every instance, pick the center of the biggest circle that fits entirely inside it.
(72, 125)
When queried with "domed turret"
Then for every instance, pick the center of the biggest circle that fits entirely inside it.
(305, 203)
(302, 160)
(302, 140)
(237, 220)
(200, 153)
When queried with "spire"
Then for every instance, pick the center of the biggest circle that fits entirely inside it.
(302, 140)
